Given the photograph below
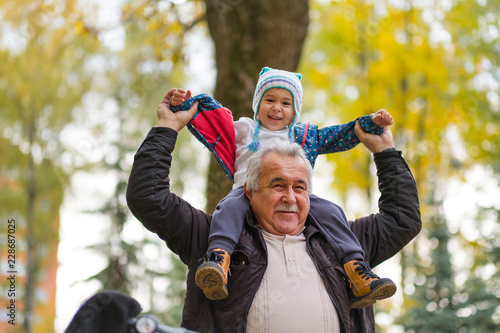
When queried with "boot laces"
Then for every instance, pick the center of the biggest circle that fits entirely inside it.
(365, 271)
(216, 256)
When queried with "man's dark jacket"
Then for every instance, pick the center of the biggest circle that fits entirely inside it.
(185, 231)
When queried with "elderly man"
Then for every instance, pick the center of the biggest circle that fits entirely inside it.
(284, 274)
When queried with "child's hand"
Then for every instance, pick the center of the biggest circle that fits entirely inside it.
(180, 96)
(382, 118)
(177, 120)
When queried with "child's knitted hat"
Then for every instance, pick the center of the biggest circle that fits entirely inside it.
(275, 78)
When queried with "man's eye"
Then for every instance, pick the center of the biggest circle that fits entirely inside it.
(278, 187)
(300, 188)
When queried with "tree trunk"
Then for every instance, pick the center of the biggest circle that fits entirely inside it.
(249, 35)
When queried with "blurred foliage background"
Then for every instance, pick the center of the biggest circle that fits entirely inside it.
(80, 82)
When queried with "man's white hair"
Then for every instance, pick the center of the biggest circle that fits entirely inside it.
(281, 147)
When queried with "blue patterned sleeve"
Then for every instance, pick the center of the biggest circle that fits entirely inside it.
(337, 138)
(206, 103)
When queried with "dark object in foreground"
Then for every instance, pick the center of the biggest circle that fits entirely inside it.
(114, 312)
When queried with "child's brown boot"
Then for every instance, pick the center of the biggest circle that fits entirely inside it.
(211, 276)
(366, 287)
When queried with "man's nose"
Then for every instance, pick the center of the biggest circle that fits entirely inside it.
(289, 195)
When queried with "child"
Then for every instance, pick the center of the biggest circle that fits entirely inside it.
(277, 104)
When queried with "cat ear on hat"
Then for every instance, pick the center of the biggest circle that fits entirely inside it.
(265, 70)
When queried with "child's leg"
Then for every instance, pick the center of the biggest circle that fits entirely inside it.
(227, 221)
(225, 230)
(365, 287)
(333, 223)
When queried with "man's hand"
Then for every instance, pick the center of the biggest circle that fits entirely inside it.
(177, 120)
(375, 143)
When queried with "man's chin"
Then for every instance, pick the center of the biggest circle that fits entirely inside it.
(289, 225)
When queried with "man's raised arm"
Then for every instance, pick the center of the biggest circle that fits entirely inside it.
(184, 228)
(384, 234)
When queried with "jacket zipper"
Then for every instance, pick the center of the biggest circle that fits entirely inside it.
(261, 238)
(330, 293)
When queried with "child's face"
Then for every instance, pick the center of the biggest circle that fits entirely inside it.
(276, 110)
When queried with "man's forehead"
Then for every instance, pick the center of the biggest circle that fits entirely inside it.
(297, 180)
(277, 167)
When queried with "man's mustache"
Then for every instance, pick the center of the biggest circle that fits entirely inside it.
(287, 208)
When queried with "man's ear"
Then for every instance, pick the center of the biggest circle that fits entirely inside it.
(248, 193)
